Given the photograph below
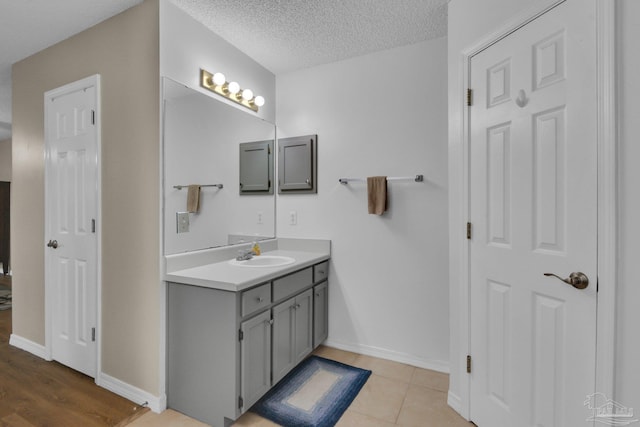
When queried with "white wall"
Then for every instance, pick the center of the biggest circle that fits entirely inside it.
(380, 114)
(469, 21)
(5, 160)
(628, 315)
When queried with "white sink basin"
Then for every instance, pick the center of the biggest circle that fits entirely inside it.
(264, 261)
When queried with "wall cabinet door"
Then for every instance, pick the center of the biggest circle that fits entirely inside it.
(320, 313)
(255, 349)
(256, 167)
(292, 333)
(297, 164)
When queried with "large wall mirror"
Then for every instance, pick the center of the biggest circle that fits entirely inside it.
(201, 137)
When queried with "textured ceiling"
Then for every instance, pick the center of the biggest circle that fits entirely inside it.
(282, 35)
(285, 35)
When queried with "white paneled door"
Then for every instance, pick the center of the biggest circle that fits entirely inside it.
(71, 209)
(533, 209)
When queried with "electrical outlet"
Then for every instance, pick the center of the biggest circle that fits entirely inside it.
(260, 215)
(182, 221)
(293, 217)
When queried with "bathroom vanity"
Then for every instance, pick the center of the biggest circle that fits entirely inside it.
(234, 331)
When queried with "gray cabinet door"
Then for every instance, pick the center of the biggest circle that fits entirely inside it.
(303, 338)
(255, 349)
(292, 333)
(297, 164)
(256, 167)
(320, 313)
(283, 330)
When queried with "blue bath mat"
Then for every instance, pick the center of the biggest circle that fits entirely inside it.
(314, 394)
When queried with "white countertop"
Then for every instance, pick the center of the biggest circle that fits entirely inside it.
(225, 276)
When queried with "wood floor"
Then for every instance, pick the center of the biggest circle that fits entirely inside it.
(35, 393)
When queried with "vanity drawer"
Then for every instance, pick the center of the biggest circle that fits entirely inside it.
(255, 299)
(320, 271)
(292, 283)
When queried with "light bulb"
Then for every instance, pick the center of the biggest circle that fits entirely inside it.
(234, 87)
(259, 101)
(247, 94)
(219, 79)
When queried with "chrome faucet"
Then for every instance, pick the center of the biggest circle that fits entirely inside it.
(245, 255)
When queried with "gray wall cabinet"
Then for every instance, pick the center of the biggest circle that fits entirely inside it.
(298, 164)
(227, 349)
(256, 167)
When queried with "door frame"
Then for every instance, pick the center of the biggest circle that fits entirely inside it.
(90, 81)
(607, 198)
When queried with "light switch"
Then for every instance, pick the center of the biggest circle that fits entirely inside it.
(182, 220)
(293, 217)
(260, 215)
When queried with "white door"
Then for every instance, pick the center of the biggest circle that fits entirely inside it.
(71, 209)
(533, 207)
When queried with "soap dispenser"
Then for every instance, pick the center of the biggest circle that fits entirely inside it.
(256, 248)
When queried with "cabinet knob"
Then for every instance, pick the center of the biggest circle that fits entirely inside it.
(260, 299)
(321, 271)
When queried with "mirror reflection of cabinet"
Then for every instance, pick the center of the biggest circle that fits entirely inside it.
(256, 167)
(297, 164)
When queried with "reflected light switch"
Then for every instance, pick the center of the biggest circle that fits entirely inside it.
(182, 220)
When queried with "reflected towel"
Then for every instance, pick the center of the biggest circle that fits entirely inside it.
(377, 194)
(193, 199)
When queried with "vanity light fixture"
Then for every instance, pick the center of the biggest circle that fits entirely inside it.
(217, 83)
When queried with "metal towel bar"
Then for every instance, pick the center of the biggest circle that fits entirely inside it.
(180, 187)
(417, 178)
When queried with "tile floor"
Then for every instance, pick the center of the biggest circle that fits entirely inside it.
(395, 395)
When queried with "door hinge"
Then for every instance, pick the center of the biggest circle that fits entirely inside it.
(93, 225)
(468, 364)
(93, 334)
(469, 231)
(240, 402)
(240, 335)
(93, 117)
(469, 97)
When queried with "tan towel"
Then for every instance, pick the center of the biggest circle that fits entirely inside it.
(193, 199)
(377, 192)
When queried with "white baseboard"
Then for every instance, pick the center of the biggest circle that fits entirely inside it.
(156, 403)
(30, 346)
(434, 365)
(455, 402)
